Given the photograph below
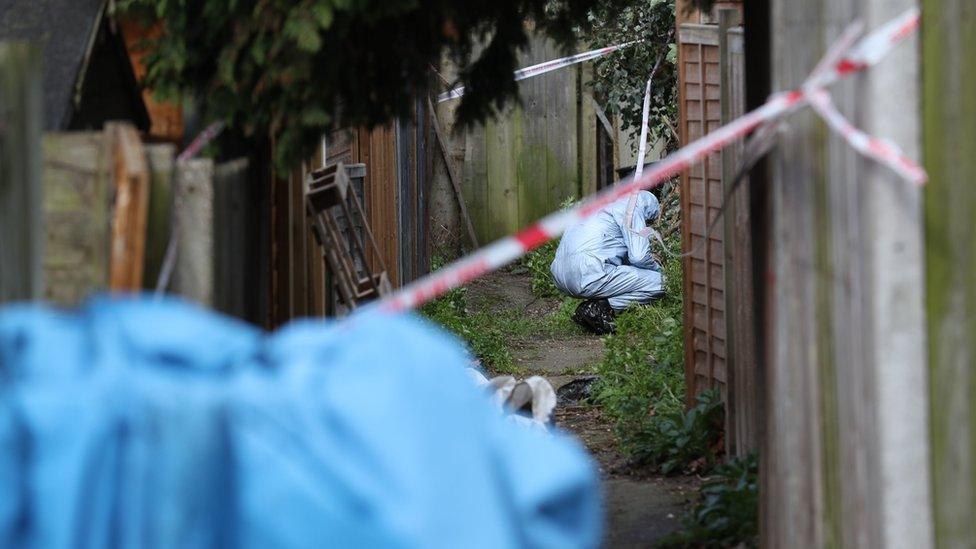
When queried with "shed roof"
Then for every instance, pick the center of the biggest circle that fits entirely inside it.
(67, 30)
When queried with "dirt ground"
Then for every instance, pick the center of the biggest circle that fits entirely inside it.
(641, 508)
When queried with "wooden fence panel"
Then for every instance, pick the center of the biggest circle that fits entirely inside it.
(382, 195)
(562, 134)
(701, 199)
(719, 327)
(528, 161)
(531, 154)
(77, 183)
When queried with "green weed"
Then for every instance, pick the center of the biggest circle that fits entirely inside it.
(486, 340)
(642, 386)
(492, 334)
(538, 262)
(727, 514)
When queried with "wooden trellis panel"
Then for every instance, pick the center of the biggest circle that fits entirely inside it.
(719, 319)
(701, 200)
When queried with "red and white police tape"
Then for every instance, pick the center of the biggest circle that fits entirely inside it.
(200, 141)
(840, 62)
(542, 68)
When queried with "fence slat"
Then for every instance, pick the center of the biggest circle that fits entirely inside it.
(949, 109)
(503, 207)
(533, 192)
(562, 170)
(128, 247)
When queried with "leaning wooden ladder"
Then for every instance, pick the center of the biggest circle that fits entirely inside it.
(335, 213)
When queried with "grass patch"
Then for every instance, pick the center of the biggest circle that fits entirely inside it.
(492, 336)
(556, 325)
(642, 386)
(727, 513)
(487, 341)
(491, 331)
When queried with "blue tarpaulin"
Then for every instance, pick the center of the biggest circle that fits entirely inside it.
(136, 424)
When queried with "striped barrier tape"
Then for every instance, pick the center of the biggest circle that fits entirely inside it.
(642, 151)
(864, 54)
(200, 141)
(547, 66)
(880, 150)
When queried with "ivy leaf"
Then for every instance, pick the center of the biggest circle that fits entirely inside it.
(323, 14)
(304, 32)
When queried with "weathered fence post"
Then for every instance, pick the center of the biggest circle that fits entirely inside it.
(20, 167)
(128, 251)
(194, 200)
(846, 410)
(742, 388)
(949, 119)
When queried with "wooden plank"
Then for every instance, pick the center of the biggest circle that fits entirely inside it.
(500, 140)
(298, 237)
(408, 204)
(428, 151)
(131, 213)
(587, 131)
(949, 108)
(561, 135)
(382, 195)
(693, 33)
(316, 278)
(476, 181)
(280, 281)
(231, 218)
(741, 290)
(729, 158)
(452, 175)
(21, 241)
(685, 67)
(533, 150)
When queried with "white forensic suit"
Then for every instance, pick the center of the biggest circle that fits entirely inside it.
(604, 258)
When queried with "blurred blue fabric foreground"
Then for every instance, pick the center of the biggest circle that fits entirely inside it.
(129, 423)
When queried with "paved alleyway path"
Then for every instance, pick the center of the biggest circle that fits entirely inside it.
(641, 508)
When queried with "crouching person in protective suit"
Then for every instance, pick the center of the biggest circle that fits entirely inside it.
(606, 259)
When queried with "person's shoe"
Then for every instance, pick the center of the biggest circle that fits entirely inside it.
(596, 315)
